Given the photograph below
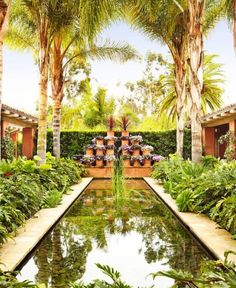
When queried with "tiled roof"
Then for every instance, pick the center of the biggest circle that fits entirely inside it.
(219, 114)
(17, 114)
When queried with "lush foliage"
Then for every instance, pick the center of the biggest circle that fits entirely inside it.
(164, 143)
(207, 188)
(7, 148)
(26, 187)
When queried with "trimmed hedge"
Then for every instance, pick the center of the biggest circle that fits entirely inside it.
(164, 143)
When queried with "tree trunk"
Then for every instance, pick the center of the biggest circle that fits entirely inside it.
(56, 127)
(195, 61)
(180, 88)
(43, 93)
(57, 94)
(234, 24)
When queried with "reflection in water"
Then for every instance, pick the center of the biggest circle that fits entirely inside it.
(97, 221)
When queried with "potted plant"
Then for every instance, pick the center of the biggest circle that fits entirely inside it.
(157, 158)
(88, 160)
(110, 140)
(99, 140)
(100, 149)
(125, 123)
(111, 123)
(135, 149)
(147, 149)
(110, 149)
(135, 161)
(110, 160)
(147, 160)
(126, 160)
(136, 139)
(125, 149)
(99, 160)
(90, 149)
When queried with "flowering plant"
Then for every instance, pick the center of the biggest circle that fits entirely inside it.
(111, 138)
(99, 147)
(88, 159)
(99, 137)
(110, 158)
(147, 147)
(109, 147)
(99, 157)
(157, 158)
(124, 138)
(125, 147)
(90, 146)
(139, 158)
(77, 157)
(136, 138)
(135, 147)
(147, 157)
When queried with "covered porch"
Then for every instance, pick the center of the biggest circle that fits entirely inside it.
(214, 126)
(20, 127)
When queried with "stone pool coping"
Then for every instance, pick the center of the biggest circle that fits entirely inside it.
(15, 250)
(215, 239)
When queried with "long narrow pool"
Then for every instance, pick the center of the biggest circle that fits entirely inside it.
(135, 234)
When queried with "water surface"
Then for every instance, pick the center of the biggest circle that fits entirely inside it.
(135, 234)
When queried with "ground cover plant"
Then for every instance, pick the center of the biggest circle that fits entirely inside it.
(26, 187)
(209, 187)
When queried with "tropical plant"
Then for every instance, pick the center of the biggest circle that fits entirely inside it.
(230, 139)
(111, 123)
(124, 123)
(211, 98)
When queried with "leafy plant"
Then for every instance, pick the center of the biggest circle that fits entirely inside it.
(124, 123)
(229, 139)
(7, 148)
(52, 199)
(111, 123)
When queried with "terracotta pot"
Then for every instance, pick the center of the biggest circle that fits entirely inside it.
(126, 162)
(110, 142)
(110, 152)
(110, 133)
(99, 141)
(99, 163)
(135, 142)
(147, 162)
(136, 163)
(125, 133)
(124, 142)
(99, 152)
(136, 152)
(89, 151)
(125, 152)
(146, 152)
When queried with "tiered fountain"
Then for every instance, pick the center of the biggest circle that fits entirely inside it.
(101, 156)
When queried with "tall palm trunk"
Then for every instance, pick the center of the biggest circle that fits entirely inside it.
(3, 19)
(234, 23)
(195, 61)
(180, 87)
(43, 93)
(57, 95)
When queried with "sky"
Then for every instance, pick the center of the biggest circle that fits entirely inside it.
(21, 77)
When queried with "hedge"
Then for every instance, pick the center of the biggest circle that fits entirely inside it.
(164, 143)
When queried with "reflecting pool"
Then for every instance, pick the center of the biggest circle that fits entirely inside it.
(133, 233)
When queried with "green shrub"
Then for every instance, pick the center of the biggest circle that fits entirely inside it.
(26, 187)
(208, 188)
(164, 143)
(8, 148)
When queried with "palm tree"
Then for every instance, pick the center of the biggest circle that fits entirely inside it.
(211, 92)
(4, 10)
(166, 22)
(36, 23)
(230, 11)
